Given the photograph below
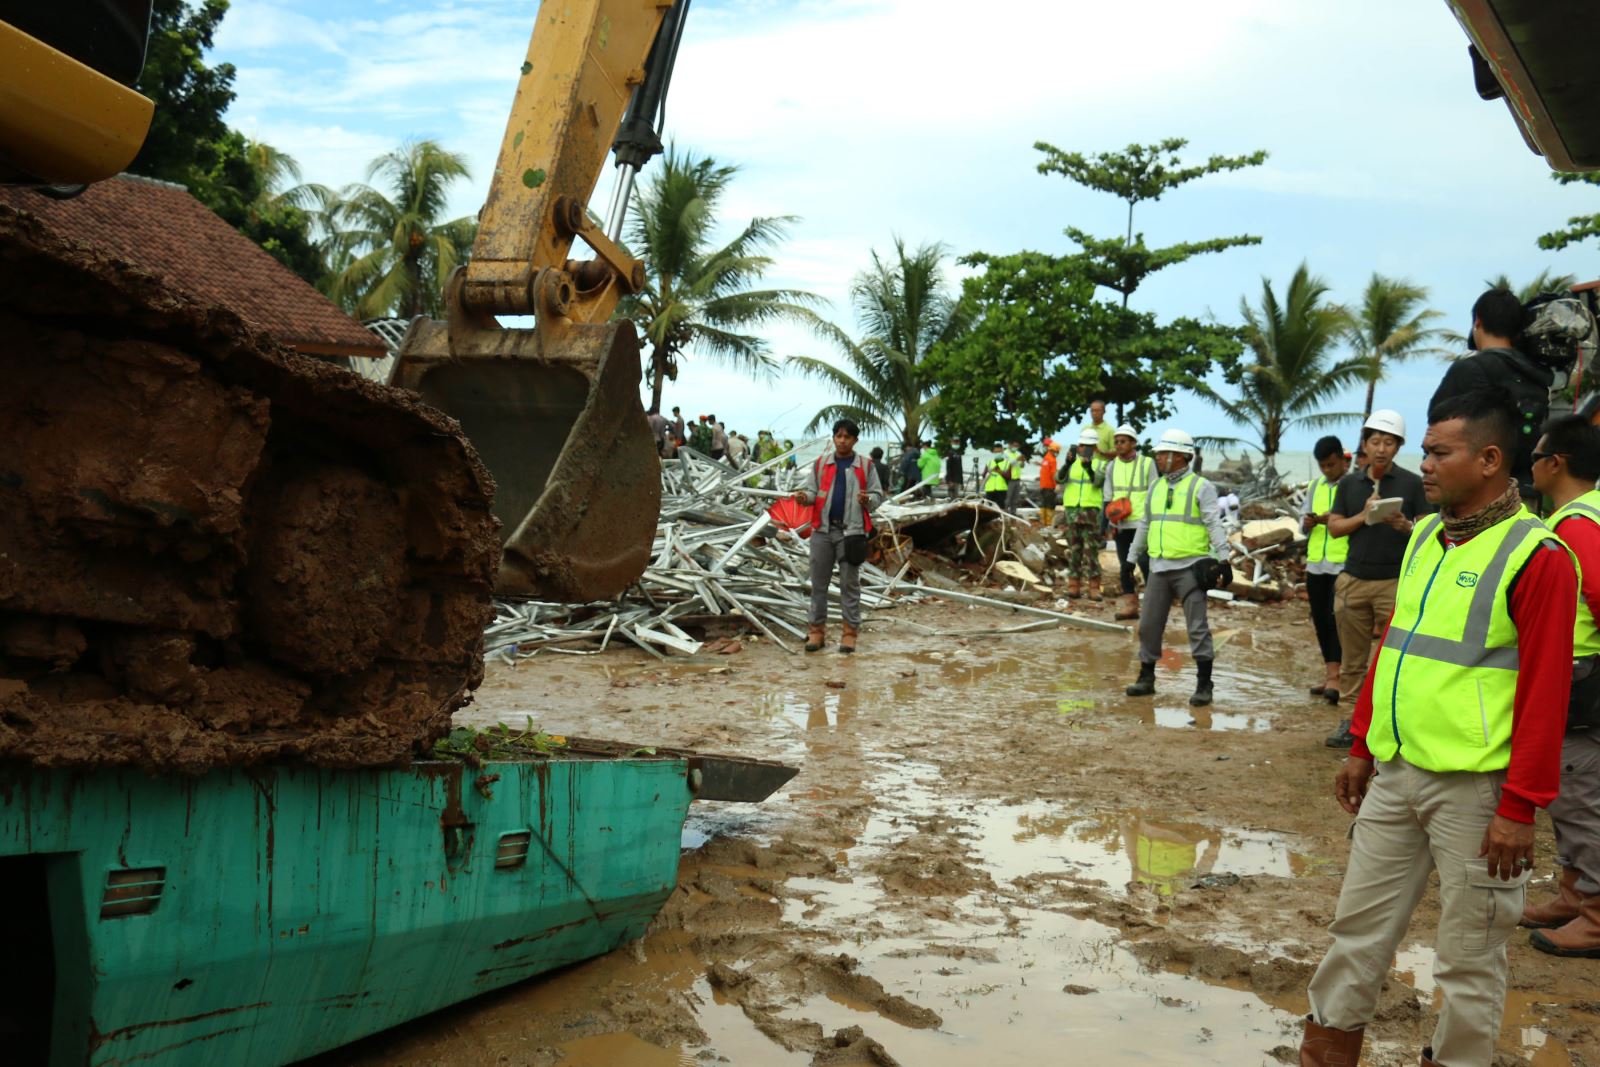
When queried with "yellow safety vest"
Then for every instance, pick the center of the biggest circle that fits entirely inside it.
(1323, 547)
(996, 479)
(1140, 473)
(1177, 531)
(1449, 662)
(1015, 458)
(1585, 631)
(1081, 487)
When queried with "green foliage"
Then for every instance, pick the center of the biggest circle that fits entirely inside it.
(1546, 281)
(1579, 227)
(390, 252)
(190, 144)
(1042, 346)
(905, 309)
(190, 97)
(1293, 373)
(498, 742)
(697, 296)
(1390, 325)
(1133, 175)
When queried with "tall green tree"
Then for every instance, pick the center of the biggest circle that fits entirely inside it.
(1137, 174)
(1390, 325)
(1293, 371)
(1043, 345)
(699, 296)
(186, 131)
(905, 309)
(391, 249)
(1579, 227)
(1546, 281)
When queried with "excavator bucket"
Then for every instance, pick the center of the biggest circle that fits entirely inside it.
(557, 420)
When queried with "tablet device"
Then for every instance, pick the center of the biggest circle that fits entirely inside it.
(1383, 508)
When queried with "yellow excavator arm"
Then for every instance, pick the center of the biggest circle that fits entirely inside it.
(554, 411)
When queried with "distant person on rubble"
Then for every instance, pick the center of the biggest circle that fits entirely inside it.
(1325, 556)
(677, 426)
(1462, 712)
(1128, 478)
(1014, 476)
(719, 438)
(700, 436)
(1363, 595)
(954, 475)
(738, 448)
(843, 491)
(1188, 556)
(1082, 498)
(876, 455)
(928, 464)
(659, 429)
(997, 479)
(908, 466)
(1104, 436)
(1049, 497)
(1566, 463)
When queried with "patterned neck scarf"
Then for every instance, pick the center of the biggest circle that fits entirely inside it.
(1460, 528)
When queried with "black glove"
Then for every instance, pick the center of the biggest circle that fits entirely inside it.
(1213, 574)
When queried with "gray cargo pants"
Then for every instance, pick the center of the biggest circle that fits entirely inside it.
(1160, 590)
(1575, 813)
(827, 549)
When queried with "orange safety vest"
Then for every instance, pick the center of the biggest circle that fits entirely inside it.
(1047, 471)
(825, 485)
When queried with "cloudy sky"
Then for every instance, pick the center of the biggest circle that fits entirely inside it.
(876, 118)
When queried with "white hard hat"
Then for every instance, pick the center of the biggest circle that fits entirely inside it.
(1386, 421)
(1088, 437)
(1176, 441)
(1125, 431)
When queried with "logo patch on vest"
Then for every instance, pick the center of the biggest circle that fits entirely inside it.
(1467, 579)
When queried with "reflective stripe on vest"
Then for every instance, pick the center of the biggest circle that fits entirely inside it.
(1140, 474)
(1176, 529)
(1448, 666)
(1081, 488)
(1585, 630)
(1323, 547)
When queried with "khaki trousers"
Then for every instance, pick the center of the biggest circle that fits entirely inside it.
(1413, 822)
(1360, 606)
(1575, 813)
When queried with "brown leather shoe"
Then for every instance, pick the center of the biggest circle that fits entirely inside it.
(1127, 606)
(1323, 1046)
(1426, 1059)
(1074, 588)
(847, 639)
(816, 637)
(1094, 592)
(1580, 937)
(1558, 912)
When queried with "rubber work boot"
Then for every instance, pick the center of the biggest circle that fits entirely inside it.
(816, 637)
(1323, 1046)
(1145, 684)
(1580, 937)
(1340, 738)
(1047, 517)
(1127, 606)
(1426, 1059)
(1558, 912)
(1202, 685)
(847, 639)
(1094, 591)
(1074, 588)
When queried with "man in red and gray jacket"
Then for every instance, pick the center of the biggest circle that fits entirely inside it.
(842, 489)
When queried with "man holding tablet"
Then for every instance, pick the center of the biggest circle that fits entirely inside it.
(1375, 509)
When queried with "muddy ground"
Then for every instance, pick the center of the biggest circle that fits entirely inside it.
(989, 854)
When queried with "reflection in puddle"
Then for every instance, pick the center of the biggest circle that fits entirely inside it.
(1016, 841)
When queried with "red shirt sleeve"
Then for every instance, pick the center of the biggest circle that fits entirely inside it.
(1583, 537)
(1543, 603)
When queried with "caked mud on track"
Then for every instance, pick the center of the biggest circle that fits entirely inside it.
(214, 551)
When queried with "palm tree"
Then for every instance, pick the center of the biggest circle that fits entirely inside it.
(1390, 325)
(904, 307)
(695, 296)
(391, 253)
(1294, 372)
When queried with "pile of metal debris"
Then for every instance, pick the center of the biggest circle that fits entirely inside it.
(722, 571)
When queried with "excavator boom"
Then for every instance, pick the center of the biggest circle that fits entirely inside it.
(554, 411)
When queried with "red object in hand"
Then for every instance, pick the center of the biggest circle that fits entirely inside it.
(789, 514)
